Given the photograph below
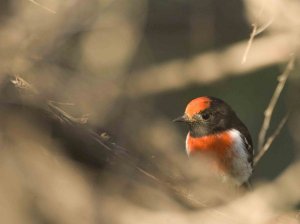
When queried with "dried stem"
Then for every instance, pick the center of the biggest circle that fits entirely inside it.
(262, 145)
(250, 41)
(42, 6)
(270, 140)
(255, 31)
(264, 27)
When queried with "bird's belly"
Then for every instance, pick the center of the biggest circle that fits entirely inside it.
(240, 169)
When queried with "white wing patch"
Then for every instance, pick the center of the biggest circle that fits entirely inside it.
(187, 145)
(241, 168)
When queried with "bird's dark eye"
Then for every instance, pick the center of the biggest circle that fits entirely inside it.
(205, 116)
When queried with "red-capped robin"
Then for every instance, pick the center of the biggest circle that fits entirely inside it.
(216, 130)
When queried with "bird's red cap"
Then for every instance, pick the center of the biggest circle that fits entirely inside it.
(197, 105)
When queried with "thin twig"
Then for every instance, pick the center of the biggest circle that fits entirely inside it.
(81, 120)
(271, 139)
(20, 83)
(264, 27)
(255, 31)
(250, 41)
(42, 6)
(269, 111)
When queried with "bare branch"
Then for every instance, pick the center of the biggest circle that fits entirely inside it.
(255, 31)
(269, 111)
(271, 139)
(264, 27)
(209, 67)
(42, 6)
(252, 35)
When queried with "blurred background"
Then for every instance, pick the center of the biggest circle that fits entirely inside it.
(132, 66)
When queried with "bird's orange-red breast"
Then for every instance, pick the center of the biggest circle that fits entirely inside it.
(218, 143)
(215, 130)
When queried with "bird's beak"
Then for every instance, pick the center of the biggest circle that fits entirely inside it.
(183, 118)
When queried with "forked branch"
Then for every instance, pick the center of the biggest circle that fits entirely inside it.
(264, 145)
(270, 140)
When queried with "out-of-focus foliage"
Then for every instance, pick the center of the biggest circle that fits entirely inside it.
(132, 66)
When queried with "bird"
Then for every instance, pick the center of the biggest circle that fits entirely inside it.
(216, 130)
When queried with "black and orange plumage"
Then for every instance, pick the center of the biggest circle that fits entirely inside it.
(216, 130)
